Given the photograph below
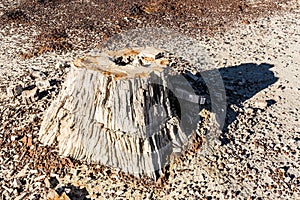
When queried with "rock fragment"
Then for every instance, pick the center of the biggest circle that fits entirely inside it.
(14, 90)
(37, 74)
(43, 85)
(21, 196)
(16, 183)
(262, 104)
(30, 96)
(22, 173)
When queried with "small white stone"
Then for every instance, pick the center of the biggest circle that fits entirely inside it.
(58, 65)
(119, 192)
(13, 138)
(285, 148)
(67, 190)
(248, 110)
(287, 179)
(37, 184)
(47, 183)
(42, 84)
(16, 183)
(33, 171)
(110, 191)
(262, 104)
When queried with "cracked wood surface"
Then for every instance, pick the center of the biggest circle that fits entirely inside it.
(128, 121)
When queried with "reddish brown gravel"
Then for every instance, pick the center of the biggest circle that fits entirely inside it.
(62, 21)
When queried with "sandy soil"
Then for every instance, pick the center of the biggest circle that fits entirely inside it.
(257, 153)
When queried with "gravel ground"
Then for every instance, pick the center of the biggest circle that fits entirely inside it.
(257, 156)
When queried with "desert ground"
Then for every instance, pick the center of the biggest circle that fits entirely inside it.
(254, 46)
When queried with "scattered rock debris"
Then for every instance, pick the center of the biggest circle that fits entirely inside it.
(257, 155)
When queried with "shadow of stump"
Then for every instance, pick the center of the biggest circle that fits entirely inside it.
(241, 83)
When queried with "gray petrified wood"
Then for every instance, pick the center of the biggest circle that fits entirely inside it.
(115, 109)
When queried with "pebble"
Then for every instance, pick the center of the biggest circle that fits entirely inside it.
(67, 190)
(13, 138)
(118, 193)
(111, 191)
(33, 171)
(42, 84)
(262, 104)
(249, 110)
(287, 179)
(47, 183)
(37, 74)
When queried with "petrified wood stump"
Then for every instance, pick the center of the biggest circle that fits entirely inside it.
(116, 109)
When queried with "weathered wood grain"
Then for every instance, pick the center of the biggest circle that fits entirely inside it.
(116, 109)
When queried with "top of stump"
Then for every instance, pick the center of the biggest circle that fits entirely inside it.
(126, 63)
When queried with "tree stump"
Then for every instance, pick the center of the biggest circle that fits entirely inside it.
(117, 109)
